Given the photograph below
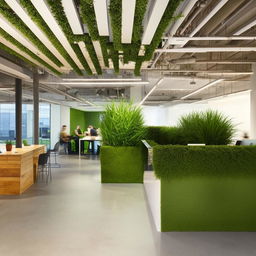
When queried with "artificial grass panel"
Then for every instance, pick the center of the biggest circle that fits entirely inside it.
(217, 161)
(122, 164)
(208, 204)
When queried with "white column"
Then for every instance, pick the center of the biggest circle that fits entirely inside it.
(55, 124)
(253, 103)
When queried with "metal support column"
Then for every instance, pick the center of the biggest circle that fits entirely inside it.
(36, 105)
(18, 112)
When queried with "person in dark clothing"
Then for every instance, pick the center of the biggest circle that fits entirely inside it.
(78, 134)
(93, 131)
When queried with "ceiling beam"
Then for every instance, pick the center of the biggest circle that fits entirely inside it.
(16, 7)
(154, 20)
(128, 10)
(7, 27)
(208, 49)
(189, 4)
(46, 14)
(101, 13)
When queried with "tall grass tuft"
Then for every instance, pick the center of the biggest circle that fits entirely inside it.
(210, 127)
(122, 125)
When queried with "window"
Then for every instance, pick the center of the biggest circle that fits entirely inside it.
(7, 123)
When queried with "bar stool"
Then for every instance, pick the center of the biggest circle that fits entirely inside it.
(44, 167)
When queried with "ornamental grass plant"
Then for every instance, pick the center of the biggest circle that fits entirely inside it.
(210, 127)
(122, 125)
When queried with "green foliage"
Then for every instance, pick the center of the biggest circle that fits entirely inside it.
(25, 142)
(10, 15)
(122, 125)
(185, 161)
(39, 21)
(115, 11)
(103, 44)
(27, 51)
(12, 52)
(165, 135)
(210, 127)
(9, 142)
(92, 53)
(126, 164)
(89, 18)
(115, 57)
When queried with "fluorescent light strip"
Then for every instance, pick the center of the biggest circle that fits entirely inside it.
(209, 49)
(98, 83)
(102, 79)
(245, 28)
(14, 4)
(87, 56)
(202, 88)
(98, 51)
(128, 10)
(72, 16)
(5, 25)
(101, 13)
(153, 88)
(155, 18)
(46, 14)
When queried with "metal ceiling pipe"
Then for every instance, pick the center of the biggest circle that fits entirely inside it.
(200, 7)
(234, 17)
(189, 4)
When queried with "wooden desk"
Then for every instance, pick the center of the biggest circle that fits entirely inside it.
(17, 169)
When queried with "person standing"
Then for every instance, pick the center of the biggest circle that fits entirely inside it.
(78, 135)
(64, 138)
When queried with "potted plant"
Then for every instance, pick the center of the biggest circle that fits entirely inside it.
(122, 129)
(8, 145)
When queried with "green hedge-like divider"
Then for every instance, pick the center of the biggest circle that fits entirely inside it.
(188, 161)
(9, 14)
(26, 50)
(39, 21)
(166, 135)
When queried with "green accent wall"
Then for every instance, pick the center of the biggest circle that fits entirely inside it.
(92, 118)
(84, 119)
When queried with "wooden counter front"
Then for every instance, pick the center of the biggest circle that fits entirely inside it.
(17, 169)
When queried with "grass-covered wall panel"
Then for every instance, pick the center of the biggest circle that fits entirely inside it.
(206, 203)
(77, 117)
(216, 161)
(126, 165)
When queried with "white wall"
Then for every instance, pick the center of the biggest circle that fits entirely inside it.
(60, 115)
(55, 124)
(65, 117)
(154, 116)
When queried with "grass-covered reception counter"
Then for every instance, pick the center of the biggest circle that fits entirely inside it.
(211, 188)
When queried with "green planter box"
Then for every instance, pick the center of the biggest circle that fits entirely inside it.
(208, 188)
(121, 164)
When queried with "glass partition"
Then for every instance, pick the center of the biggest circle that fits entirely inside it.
(7, 123)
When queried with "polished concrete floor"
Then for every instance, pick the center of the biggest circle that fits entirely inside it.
(76, 215)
